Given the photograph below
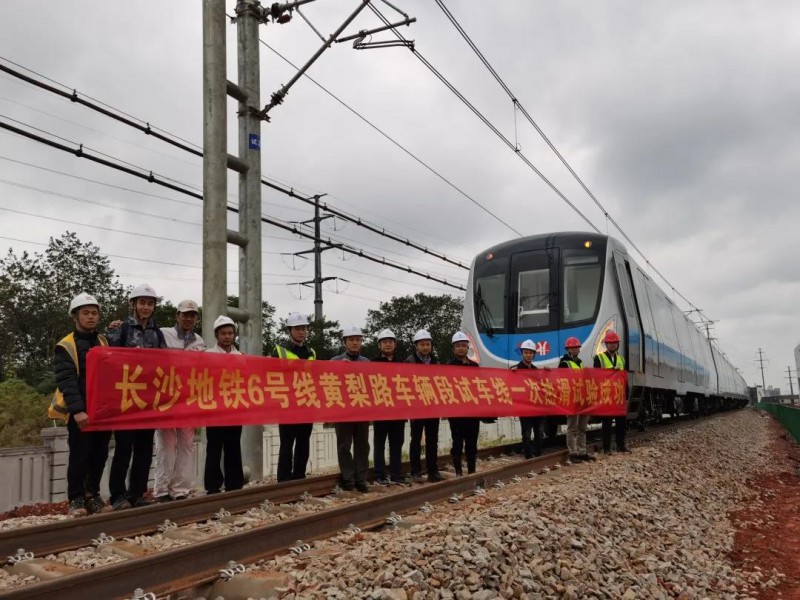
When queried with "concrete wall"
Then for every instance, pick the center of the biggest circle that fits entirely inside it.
(39, 474)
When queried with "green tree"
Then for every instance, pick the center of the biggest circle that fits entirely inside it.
(404, 315)
(23, 414)
(35, 291)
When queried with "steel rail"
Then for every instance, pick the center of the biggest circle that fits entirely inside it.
(187, 566)
(53, 538)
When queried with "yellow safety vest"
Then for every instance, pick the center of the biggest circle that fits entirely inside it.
(58, 409)
(573, 365)
(606, 363)
(284, 353)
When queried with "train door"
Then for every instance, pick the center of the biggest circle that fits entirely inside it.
(632, 321)
(533, 286)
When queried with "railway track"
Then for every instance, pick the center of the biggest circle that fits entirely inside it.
(181, 568)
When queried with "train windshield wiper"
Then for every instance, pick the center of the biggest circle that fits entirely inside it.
(483, 314)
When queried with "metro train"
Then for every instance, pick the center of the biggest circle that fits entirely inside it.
(553, 286)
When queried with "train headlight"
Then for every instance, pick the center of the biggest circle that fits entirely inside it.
(587, 244)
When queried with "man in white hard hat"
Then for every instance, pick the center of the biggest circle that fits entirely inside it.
(353, 467)
(394, 430)
(423, 355)
(134, 448)
(464, 430)
(88, 450)
(530, 424)
(223, 444)
(295, 437)
(175, 446)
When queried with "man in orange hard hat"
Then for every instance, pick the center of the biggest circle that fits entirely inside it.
(610, 359)
(576, 424)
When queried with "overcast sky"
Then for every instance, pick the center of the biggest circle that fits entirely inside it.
(682, 118)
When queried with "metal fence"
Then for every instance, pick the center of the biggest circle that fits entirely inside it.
(788, 415)
(39, 474)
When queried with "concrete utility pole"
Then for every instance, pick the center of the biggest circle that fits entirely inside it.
(216, 162)
(761, 361)
(318, 250)
(791, 377)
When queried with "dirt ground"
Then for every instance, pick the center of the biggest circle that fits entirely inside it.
(768, 528)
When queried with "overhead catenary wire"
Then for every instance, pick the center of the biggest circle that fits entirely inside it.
(489, 124)
(131, 121)
(153, 178)
(521, 108)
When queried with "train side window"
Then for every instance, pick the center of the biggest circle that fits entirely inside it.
(534, 299)
(582, 279)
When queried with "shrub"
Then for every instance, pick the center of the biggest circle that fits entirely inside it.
(23, 414)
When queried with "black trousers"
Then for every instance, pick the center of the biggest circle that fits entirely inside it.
(134, 449)
(88, 452)
(535, 425)
(431, 429)
(223, 446)
(294, 450)
(465, 432)
(395, 432)
(620, 424)
(353, 466)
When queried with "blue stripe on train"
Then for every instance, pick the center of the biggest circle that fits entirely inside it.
(504, 345)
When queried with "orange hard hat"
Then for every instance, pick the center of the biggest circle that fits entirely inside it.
(611, 337)
(572, 342)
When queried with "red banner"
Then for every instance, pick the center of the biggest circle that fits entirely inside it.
(137, 389)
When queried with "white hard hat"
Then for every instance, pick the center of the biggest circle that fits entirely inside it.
(143, 290)
(188, 306)
(352, 330)
(386, 334)
(296, 319)
(221, 321)
(459, 336)
(82, 299)
(527, 345)
(422, 334)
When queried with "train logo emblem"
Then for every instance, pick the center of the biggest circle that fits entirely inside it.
(542, 348)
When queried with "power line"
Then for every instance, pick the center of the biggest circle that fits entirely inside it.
(129, 120)
(546, 139)
(488, 123)
(152, 178)
(395, 142)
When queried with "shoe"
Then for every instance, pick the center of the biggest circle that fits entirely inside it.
(402, 480)
(434, 477)
(121, 504)
(362, 487)
(459, 473)
(347, 487)
(588, 457)
(623, 449)
(606, 451)
(382, 481)
(162, 498)
(96, 504)
(576, 458)
(77, 507)
(180, 497)
(139, 501)
(417, 478)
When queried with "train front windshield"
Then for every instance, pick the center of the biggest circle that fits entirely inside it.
(536, 291)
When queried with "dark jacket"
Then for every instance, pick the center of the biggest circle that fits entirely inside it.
(566, 359)
(413, 358)
(521, 365)
(382, 358)
(458, 363)
(132, 335)
(72, 383)
(350, 357)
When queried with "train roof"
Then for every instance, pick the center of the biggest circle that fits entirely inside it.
(543, 241)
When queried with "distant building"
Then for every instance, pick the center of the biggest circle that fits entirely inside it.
(772, 391)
